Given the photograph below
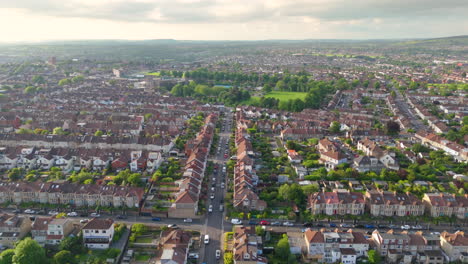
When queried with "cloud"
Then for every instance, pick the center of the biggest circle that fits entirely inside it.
(228, 11)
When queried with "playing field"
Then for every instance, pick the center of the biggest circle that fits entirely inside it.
(285, 96)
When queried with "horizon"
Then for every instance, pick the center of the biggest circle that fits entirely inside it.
(224, 20)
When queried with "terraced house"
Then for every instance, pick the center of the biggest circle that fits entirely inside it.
(336, 203)
(381, 203)
(74, 194)
(444, 204)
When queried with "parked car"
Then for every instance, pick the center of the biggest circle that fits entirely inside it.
(95, 215)
(346, 225)
(121, 217)
(320, 225)
(16, 211)
(332, 225)
(206, 240)
(173, 226)
(253, 222)
(264, 222)
(218, 254)
(212, 196)
(156, 219)
(382, 226)
(369, 226)
(193, 256)
(53, 213)
(188, 220)
(417, 227)
(210, 208)
(236, 221)
(84, 221)
(288, 224)
(29, 211)
(276, 223)
(405, 227)
(359, 226)
(392, 226)
(72, 214)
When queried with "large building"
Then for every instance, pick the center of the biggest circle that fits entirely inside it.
(336, 203)
(443, 204)
(98, 233)
(13, 228)
(73, 194)
(382, 203)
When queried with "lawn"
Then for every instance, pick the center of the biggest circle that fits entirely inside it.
(139, 257)
(153, 73)
(282, 96)
(144, 240)
(285, 96)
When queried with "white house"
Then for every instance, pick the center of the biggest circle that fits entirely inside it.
(98, 233)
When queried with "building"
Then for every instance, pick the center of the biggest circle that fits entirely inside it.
(384, 203)
(98, 233)
(175, 245)
(332, 247)
(57, 230)
(13, 228)
(247, 247)
(336, 203)
(455, 245)
(444, 204)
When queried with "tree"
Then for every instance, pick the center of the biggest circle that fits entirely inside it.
(6, 257)
(392, 128)
(139, 229)
(309, 189)
(335, 127)
(14, 174)
(58, 131)
(29, 90)
(98, 133)
(29, 251)
(377, 85)
(64, 257)
(228, 258)
(267, 88)
(259, 230)
(374, 256)
(282, 250)
(135, 180)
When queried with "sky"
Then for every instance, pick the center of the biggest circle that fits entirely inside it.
(43, 20)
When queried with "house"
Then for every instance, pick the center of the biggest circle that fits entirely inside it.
(332, 159)
(444, 204)
(333, 246)
(39, 229)
(294, 157)
(98, 233)
(384, 203)
(247, 246)
(175, 245)
(336, 203)
(431, 257)
(57, 230)
(13, 228)
(455, 245)
(367, 163)
(390, 245)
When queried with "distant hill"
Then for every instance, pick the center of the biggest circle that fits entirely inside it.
(453, 41)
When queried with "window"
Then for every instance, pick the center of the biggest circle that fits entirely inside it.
(103, 231)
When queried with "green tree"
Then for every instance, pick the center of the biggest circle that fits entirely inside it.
(139, 229)
(29, 90)
(98, 133)
(259, 230)
(14, 174)
(282, 250)
(64, 257)
(374, 257)
(135, 180)
(392, 128)
(58, 131)
(72, 244)
(6, 257)
(267, 88)
(228, 258)
(28, 251)
(335, 127)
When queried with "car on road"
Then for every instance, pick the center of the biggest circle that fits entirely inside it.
(288, 224)
(210, 208)
(156, 219)
(264, 222)
(332, 225)
(121, 217)
(53, 213)
(320, 225)
(222, 185)
(225, 156)
(84, 221)
(173, 226)
(212, 189)
(212, 196)
(418, 227)
(95, 215)
(236, 221)
(218, 254)
(193, 256)
(382, 226)
(276, 223)
(359, 226)
(346, 225)
(392, 226)
(405, 227)
(206, 240)
(368, 226)
(16, 211)
(188, 220)
(253, 222)
(29, 211)
(221, 207)
(72, 214)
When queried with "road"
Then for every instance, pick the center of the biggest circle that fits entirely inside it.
(406, 109)
(215, 224)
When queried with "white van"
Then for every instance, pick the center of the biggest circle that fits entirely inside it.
(207, 239)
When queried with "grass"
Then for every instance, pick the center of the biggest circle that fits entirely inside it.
(282, 96)
(142, 257)
(144, 240)
(153, 73)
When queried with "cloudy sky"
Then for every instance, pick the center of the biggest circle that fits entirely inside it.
(38, 20)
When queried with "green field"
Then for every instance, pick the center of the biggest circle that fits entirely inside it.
(153, 73)
(282, 96)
